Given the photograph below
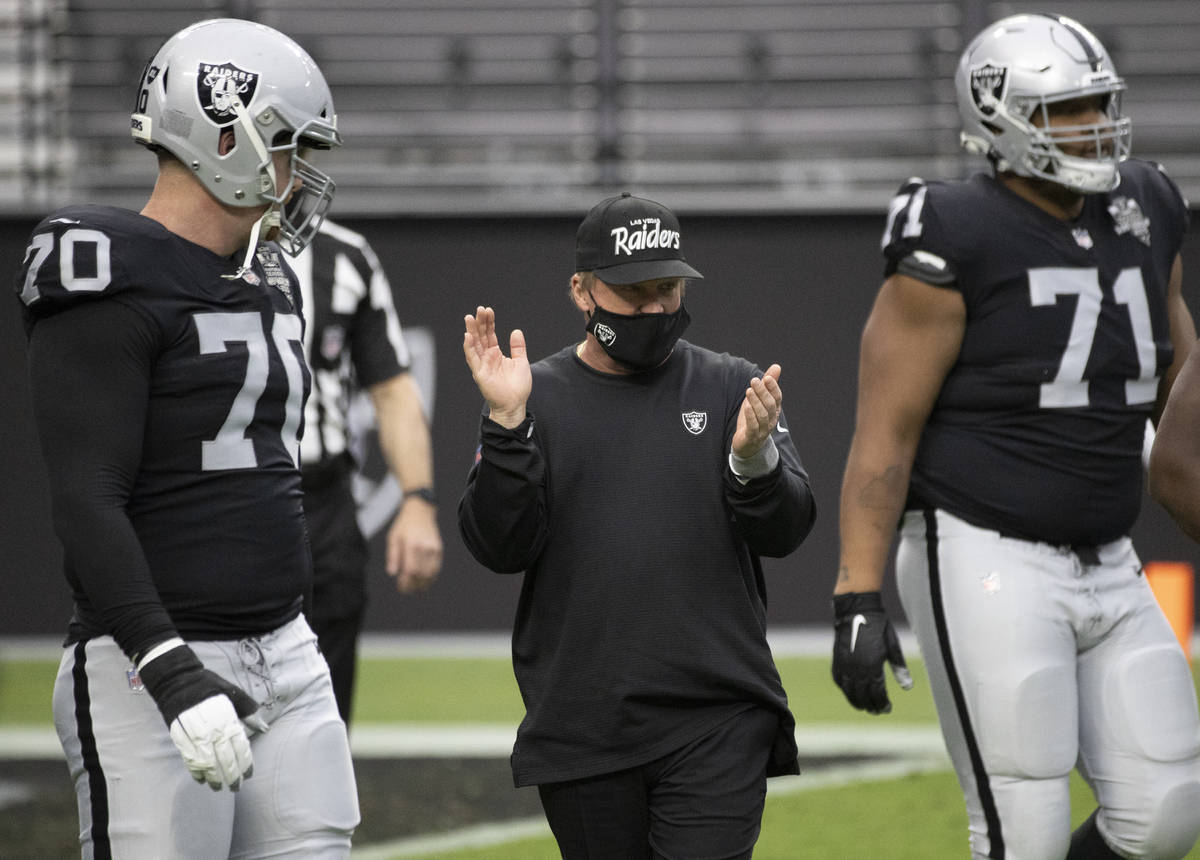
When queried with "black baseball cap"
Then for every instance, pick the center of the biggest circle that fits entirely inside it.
(627, 239)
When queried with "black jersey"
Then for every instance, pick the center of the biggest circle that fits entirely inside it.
(353, 338)
(1038, 429)
(642, 614)
(170, 405)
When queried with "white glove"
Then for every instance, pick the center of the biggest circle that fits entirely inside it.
(213, 743)
(206, 715)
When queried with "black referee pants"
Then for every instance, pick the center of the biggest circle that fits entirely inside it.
(339, 596)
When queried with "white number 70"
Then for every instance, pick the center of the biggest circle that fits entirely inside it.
(230, 449)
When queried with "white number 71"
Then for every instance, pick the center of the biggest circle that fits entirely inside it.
(1069, 388)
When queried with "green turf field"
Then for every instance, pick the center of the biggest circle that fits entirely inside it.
(914, 815)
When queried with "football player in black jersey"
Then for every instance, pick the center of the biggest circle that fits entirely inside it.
(636, 479)
(168, 384)
(1030, 323)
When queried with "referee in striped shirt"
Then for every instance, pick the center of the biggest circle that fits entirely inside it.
(353, 339)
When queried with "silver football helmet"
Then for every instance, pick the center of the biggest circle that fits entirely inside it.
(1012, 72)
(224, 73)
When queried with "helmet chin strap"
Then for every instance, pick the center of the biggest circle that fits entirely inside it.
(270, 218)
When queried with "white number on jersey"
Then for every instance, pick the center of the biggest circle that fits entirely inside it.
(230, 449)
(42, 246)
(1069, 388)
(914, 202)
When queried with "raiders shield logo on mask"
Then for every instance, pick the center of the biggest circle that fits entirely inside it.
(605, 334)
(695, 422)
(219, 86)
(987, 87)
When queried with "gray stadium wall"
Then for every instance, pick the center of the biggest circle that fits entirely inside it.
(787, 289)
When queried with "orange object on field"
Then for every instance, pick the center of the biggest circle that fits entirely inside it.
(1173, 584)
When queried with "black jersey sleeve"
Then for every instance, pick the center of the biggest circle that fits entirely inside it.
(70, 260)
(915, 242)
(89, 369)
(502, 514)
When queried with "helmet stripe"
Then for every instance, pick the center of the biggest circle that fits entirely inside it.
(1094, 59)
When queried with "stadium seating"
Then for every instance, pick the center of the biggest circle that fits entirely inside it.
(473, 106)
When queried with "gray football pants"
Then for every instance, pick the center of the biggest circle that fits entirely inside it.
(1040, 662)
(137, 800)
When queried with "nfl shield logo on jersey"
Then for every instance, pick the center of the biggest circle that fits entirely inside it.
(987, 87)
(218, 84)
(695, 422)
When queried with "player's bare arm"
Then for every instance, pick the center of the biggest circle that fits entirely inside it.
(1175, 458)
(910, 341)
(504, 381)
(1183, 334)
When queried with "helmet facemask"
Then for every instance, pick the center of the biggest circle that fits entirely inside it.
(298, 208)
(1039, 150)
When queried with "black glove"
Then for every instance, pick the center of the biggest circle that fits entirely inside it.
(177, 681)
(863, 638)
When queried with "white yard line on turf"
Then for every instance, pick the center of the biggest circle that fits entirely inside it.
(466, 838)
(807, 641)
(440, 740)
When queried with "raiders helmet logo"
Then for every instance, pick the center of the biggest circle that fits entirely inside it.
(988, 83)
(695, 422)
(605, 334)
(220, 86)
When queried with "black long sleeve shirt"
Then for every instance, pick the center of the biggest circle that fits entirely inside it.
(642, 617)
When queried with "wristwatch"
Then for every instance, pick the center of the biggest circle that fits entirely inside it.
(425, 493)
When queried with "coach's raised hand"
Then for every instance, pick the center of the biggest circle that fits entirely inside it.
(504, 381)
(204, 713)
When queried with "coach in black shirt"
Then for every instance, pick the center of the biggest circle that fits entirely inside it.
(636, 479)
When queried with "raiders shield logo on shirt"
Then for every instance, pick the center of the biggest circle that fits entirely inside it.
(695, 422)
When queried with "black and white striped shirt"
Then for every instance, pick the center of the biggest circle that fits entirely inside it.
(352, 337)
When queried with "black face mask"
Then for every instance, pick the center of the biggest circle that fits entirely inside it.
(638, 341)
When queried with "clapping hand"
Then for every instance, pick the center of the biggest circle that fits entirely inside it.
(504, 381)
(759, 414)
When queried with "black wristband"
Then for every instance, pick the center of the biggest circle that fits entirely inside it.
(851, 602)
(172, 679)
(177, 681)
(425, 493)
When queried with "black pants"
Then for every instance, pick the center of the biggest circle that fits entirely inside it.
(339, 596)
(701, 802)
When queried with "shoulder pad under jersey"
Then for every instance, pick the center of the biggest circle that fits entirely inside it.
(81, 253)
(928, 225)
